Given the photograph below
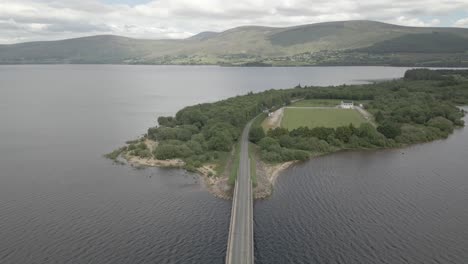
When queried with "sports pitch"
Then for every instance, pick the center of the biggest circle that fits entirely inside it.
(318, 117)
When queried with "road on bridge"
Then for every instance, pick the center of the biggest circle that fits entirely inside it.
(240, 242)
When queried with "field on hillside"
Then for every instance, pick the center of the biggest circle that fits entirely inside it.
(310, 117)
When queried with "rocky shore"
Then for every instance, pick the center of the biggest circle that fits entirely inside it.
(215, 184)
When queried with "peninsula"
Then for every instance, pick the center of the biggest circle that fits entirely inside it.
(292, 125)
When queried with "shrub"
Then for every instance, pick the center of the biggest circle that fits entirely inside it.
(171, 151)
(220, 141)
(256, 134)
(390, 130)
(277, 132)
(142, 153)
(268, 143)
(441, 123)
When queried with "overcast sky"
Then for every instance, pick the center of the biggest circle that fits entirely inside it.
(29, 20)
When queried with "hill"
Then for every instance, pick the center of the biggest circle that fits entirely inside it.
(434, 42)
(331, 43)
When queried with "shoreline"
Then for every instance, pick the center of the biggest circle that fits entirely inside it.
(216, 185)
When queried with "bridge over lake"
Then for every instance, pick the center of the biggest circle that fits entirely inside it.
(240, 242)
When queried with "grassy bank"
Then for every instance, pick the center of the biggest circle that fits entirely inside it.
(235, 165)
(253, 164)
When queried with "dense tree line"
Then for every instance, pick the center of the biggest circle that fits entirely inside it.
(280, 144)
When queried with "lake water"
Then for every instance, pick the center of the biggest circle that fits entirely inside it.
(61, 202)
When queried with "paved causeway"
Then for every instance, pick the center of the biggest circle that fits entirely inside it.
(240, 242)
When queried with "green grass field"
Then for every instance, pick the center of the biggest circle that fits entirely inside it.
(333, 117)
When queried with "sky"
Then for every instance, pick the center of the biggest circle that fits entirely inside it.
(32, 20)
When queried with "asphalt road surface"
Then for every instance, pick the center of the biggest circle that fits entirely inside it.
(240, 242)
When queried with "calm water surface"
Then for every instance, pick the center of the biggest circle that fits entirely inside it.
(394, 206)
(61, 202)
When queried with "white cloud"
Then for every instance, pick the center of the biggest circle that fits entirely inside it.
(415, 22)
(461, 22)
(26, 20)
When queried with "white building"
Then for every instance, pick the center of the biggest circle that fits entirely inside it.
(347, 104)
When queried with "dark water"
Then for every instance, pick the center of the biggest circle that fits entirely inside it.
(61, 202)
(394, 206)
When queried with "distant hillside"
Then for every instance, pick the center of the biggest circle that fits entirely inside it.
(331, 43)
(95, 49)
(204, 35)
(435, 42)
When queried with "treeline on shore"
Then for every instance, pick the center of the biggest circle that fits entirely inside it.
(417, 108)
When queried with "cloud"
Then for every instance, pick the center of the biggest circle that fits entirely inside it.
(461, 22)
(27, 20)
(415, 22)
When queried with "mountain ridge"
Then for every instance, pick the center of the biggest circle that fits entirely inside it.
(244, 44)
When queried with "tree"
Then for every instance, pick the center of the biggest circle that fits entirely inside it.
(171, 151)
(441, 123)
(322, 132)
(195, 146)
(277, 132)
(268, 143)
(379, 117)
(286, 141)
(256, 134)
(423, 74)
(221, 141)
(390, 130)
(183, 134)
(191, 117)
(168, 121)
(343, 133)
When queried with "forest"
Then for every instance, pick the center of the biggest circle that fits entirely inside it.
(420, 107)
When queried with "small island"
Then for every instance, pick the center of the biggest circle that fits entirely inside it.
(293, 125)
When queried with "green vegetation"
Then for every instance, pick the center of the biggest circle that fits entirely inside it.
(331, 43)
(221, 162)
(418, 108)
(434, 42)
(139, 149)
(115, 154)
(256, 131)
(204, 133)
(253, 164)
(311, 117)
(235, 165)
(316, 103)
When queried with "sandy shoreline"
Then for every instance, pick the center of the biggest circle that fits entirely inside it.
(266, 178)
(217, 185)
